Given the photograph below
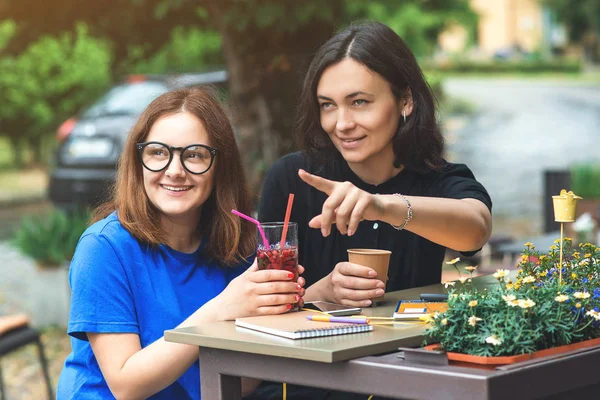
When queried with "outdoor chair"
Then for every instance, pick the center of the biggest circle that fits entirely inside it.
(15, 333)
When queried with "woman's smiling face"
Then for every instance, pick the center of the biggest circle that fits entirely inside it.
(177, 193)
(359, 113)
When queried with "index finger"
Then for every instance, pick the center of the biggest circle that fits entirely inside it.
(324, 185)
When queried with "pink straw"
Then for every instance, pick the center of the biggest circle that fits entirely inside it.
(260, 229)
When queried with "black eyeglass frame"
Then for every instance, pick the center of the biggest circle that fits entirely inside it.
(141, 146)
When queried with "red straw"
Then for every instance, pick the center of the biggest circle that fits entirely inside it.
(286, 221)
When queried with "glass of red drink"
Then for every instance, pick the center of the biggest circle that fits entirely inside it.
(275, 256)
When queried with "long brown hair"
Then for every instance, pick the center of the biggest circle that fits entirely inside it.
(229, 239)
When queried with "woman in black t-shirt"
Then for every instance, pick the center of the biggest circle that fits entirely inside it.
(372, 165)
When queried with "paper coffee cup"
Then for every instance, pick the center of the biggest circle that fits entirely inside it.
(379, 260)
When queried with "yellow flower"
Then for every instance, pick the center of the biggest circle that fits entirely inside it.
(528, 244)
(462, 279)
(444, 321)
(472, 303)
(528, 279)
(561, 298)
(575, 254)
(509, 286)
(473, 320)
(578, 305)
(501, 273)
(471, 268)
(556, 240)
(449, 283)
(453, 261)
(426, 318)
(527, 303)
(493, 340)
(573, 275)
(581, 295)
(587, 255)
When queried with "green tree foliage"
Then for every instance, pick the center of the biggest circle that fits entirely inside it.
(266, 46)
(190, 49)
(580, 16)
(144, 24)
(418, 22)
(46, 83)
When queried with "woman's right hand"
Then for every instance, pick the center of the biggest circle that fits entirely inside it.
(354, 284)
(260, 292)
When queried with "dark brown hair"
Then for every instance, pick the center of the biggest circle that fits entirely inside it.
(418, 143)
(229, 239)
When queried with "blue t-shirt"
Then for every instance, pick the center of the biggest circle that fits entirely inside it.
(121, 285)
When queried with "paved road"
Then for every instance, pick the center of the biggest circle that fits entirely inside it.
(521, 129)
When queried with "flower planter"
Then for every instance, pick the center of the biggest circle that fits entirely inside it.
(49, 296)
(492, 362)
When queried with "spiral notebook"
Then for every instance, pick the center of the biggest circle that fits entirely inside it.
(294, 325)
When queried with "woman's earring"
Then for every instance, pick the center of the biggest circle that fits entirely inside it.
(404, 115)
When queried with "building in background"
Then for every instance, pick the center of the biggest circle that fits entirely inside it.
(507, 29)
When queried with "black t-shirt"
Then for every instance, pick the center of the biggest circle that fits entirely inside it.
(414, 262)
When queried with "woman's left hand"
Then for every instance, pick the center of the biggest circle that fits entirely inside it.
(346, 205)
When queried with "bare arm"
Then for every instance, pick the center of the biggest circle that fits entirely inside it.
(135, 373)
(461, 225)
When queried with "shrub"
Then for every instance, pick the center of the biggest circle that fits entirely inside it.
(51, 240)
(585, 180)
(508, 67)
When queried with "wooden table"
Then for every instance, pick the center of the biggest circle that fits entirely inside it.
(370, 363)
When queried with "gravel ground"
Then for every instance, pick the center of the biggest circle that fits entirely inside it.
(21, 369)
(22, 372)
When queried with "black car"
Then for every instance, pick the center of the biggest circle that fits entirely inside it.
(85, 163)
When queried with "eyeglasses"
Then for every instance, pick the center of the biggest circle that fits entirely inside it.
(195, 158)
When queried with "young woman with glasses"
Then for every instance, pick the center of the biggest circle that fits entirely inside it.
(372, 175)
(166, 252)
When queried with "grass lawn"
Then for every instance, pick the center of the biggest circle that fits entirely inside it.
(19, 183)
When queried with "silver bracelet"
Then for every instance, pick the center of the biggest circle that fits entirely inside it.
(409, 213)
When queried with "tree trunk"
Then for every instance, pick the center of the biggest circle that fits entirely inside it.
(36, 143)
(266, 67)
(17, 148)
